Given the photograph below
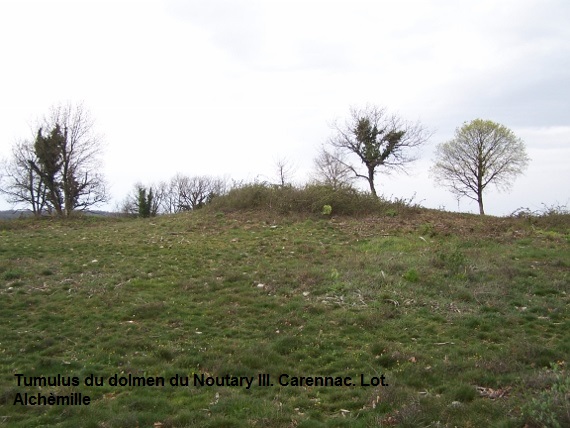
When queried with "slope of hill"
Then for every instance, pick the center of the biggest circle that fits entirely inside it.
(254, 318)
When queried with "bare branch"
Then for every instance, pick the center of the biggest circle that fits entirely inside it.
(20, 183)
(285, 170)
(332, 169)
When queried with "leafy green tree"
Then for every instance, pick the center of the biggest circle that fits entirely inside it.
(48, 150)
(482, 153)
(145, 202)
(377, 139)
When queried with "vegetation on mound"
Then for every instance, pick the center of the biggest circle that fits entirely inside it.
(466, 317)
(309, 199)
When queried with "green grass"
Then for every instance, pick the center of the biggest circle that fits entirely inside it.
(447, 307)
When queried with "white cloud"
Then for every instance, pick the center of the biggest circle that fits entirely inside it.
(226, 86)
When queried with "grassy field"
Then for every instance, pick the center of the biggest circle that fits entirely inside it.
(419, 319)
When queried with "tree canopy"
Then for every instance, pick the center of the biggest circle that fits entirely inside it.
(481, 153)
(377, 139)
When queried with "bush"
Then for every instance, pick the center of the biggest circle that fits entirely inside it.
(553, 217)
(309, 199)
(453, 260)
(552, 407)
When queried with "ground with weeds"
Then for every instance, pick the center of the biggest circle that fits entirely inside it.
(464, 319)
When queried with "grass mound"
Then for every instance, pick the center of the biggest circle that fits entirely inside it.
(309, 199)
(428, 319)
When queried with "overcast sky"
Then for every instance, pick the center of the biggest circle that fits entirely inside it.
(228, 87)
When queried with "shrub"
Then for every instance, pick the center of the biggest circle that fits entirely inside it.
(453, 260)
(552, 407)
(411, 275)
(309, 199)
(551, 217)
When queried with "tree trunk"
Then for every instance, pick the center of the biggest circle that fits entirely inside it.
(371, 182)
(480, 201)
(480, 183)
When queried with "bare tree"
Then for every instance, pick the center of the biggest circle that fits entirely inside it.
(377, 139)
(21, 184)
(82, 183)
(181, 193)
(130, 205)
(219, 186)
(165, 197)
(62, 165)
(197, 191)
(169, 193)
(285, 170)
(331, 169)
(482, 152)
